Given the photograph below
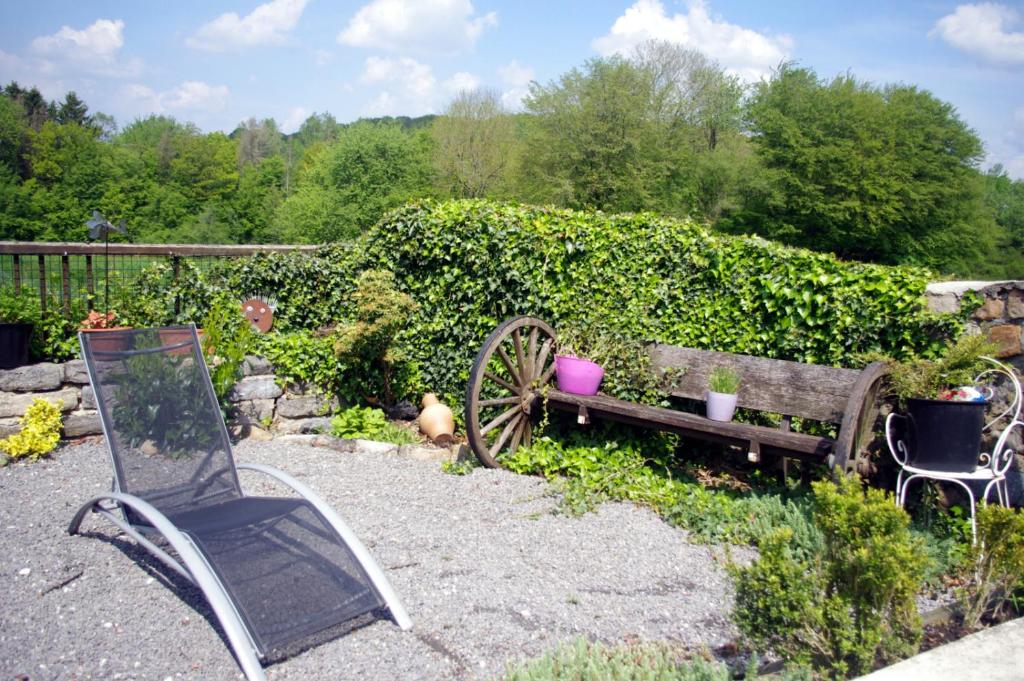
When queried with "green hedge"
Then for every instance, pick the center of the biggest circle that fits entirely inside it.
(472, 264)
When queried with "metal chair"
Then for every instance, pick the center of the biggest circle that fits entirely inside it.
(281, 574)
(992, 466)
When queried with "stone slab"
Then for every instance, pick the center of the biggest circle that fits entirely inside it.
(253, 411)
(255, 388)
(82, 423)
(88, 397)
(74, 372)
(32, 378)
(424, 453)
(256, 366)
(962, 287)
(9, 426)
(298, 406)
(15, 404)
(310, 425)
(945, 303)
(1008, 339)
(993, 308)
(1015, 305)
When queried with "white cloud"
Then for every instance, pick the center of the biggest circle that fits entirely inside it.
(191, 95)
(515, 74)
(984, 31)
(410, 76)
(432, 26)
(294, 120)
(742, 51)
(93, 49)
(323, 57)
(461, 82)
(269, 24)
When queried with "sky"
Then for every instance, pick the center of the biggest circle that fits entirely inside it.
(218, 63)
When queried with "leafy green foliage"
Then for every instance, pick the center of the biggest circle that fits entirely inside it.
(227, 339)
(368, 423)
(39, 434)
(847, 605)
(581, 660)
(368, 343)
(17, 309)
(994, 568)
(958, 365)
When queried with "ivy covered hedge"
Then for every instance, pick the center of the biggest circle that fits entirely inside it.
(471, 264)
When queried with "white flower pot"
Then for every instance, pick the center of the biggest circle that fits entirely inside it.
(721, 406)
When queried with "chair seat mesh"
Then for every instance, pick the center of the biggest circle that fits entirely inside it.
(293, 580)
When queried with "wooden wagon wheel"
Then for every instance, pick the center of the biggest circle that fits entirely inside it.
(857, 431)
(514, 364)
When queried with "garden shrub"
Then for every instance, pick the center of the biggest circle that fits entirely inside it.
(227, 339)
(846, 606)
(368, 423)
(994, 567)
(39, 434)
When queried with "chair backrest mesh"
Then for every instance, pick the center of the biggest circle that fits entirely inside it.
(163, 425)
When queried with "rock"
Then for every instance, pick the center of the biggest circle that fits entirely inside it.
(256, 366)
(298, 406)
(82, 423)
(74, 372)
(9, 426)
(335, 443)
(32, 378)
(307, 439)
(374, 447)
(1015, 304)
(423, 453)
(992, 309)
(255, 388)
(1007, 337)
(88, 397)
(16, 404)
(313, 425)
(253, 411)
(259, 435)
(943, 303)
(403, 411)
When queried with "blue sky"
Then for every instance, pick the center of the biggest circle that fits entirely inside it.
(218, 63)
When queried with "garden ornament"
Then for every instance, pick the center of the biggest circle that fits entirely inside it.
(259, 310)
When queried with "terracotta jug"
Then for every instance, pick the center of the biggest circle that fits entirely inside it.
(436, 420)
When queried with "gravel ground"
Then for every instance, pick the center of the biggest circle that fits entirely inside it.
(487, 573)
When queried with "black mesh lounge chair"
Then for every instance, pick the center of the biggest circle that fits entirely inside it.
(280, 574)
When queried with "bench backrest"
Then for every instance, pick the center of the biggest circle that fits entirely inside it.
(790, 388)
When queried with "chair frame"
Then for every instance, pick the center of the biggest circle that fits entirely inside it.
(993, 471)
(194, 567)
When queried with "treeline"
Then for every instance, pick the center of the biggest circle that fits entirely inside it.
(886, 174)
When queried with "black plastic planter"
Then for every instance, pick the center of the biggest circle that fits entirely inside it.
(14, 340)
(945, 435)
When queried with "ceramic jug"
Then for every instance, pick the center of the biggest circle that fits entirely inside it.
(436, 420)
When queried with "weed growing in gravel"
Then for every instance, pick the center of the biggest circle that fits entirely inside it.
(367, 423)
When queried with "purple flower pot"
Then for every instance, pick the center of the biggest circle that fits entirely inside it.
(578, 376)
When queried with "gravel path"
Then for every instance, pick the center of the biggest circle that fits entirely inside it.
(487, 573)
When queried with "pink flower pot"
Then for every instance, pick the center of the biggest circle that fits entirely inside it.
(578, 376)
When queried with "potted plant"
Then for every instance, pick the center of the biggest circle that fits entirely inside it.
(723, 384)
(943, 414)
(575, 368)
(18, 316)
(101, 323)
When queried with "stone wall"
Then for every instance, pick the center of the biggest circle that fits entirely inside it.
(1000, 317)
(260, 407)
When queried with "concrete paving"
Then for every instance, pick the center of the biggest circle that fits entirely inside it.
(995, 654)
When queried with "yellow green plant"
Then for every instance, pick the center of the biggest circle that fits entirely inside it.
(40, 431)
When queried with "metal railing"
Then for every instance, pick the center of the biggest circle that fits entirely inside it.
(65, 271)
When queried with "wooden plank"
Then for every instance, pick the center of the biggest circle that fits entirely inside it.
(65, 284)
(17, 275)
(168, 250)
(812, 446)
(42, 284)
(774, 385)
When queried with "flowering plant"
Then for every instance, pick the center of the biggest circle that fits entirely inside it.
(99, 320)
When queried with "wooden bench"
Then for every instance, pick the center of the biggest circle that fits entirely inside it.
(513, 371)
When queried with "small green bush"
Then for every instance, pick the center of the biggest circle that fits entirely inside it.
(846, 606)
(227, 339)
(368, 423)
(724, 380)
(994, 568)
(40, 431)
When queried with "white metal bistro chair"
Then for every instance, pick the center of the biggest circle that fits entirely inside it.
(992, 466)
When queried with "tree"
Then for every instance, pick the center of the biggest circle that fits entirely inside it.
(1004, 198)
(257, 140)
(883, 174)
(347, 186)
(473, 143)
(73, 110)
(13, 133)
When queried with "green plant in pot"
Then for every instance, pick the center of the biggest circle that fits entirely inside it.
(723, 386)
(18, 316)
(580, 348)
(942, 415)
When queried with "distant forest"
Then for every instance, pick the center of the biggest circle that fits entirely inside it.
(880, 173)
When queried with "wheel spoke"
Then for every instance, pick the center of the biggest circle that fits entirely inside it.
(518, 341)
(500, 442)
(517, 436)
(508, 365)
(500, 400)
(547, 374)
(505, 416)
(528, 433)
(502, 382)
(542, 358)
(531, 354)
